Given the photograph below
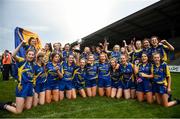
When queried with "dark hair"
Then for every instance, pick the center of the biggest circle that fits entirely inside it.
(30, 50)
(50, 46)
(30, 39)
(53, 54)
(67, 44)
(155, 37)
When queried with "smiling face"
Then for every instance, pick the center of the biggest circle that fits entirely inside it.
(116, 48)
(91, 59)
(144, 58)
(82, 63)
(67, 47)
(138, 44)
(33, 42)
(71, 59)
(113, 62)
(56, 58)
(154, 41)
(30, 56)
(102, 58)
(123, 59)
(146, 44)
(156, 58)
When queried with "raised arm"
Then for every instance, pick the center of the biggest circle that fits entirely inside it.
(17, 49)
(170, 47)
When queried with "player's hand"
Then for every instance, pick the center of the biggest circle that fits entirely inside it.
(57, 68)
(24, 42)
(163, 41)
(168, 90)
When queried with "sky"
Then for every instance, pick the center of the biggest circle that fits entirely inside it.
(62, 21)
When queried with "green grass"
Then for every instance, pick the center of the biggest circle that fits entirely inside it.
(93, 107)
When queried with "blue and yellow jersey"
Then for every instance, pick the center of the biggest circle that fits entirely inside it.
(130, 56)
(79, 76)
(162, 49)
(103, 70)
(161, 73)
(136, 56)
(51, 71)
(25, 70)
(145, 68)
(65, 54)
(116, 55)
(115, 75)
(126, 72)
(29, 47)
(91, 71)
(84, 55)
(39, 74)
(68, 70)
(96, 57)
(147, 51)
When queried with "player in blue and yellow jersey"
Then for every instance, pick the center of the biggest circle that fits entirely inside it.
(66, 52)
(144, 77)
(39, 80)
(91, 76)
(136, 56)
(48, 51)
(147, 48)
(24, 89)
(80, 77)
(161, 47)
(127, 77)
(116, 84)
(86, 52)
(104, 80)
(162, 81)
(66, 84)
(116, 53)
(54, 74)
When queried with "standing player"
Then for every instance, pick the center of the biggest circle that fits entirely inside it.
(162, 48)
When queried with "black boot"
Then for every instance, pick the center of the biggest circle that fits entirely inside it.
(170, 98)
(2, 105)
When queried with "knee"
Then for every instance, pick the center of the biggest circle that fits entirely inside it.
(28, 107)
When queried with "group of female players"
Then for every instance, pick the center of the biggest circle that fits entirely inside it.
(138, 70)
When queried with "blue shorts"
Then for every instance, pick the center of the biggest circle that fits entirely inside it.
(104, 83)
(65, 85)
(52, 85)
(159, 88)
(90, 83)
(128, 84)
(25, 91)
(40, 87)
(116, 84)
(144, 86)
(79, 86)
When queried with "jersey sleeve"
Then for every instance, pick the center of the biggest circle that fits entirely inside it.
(20, 59)
(167, 71)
